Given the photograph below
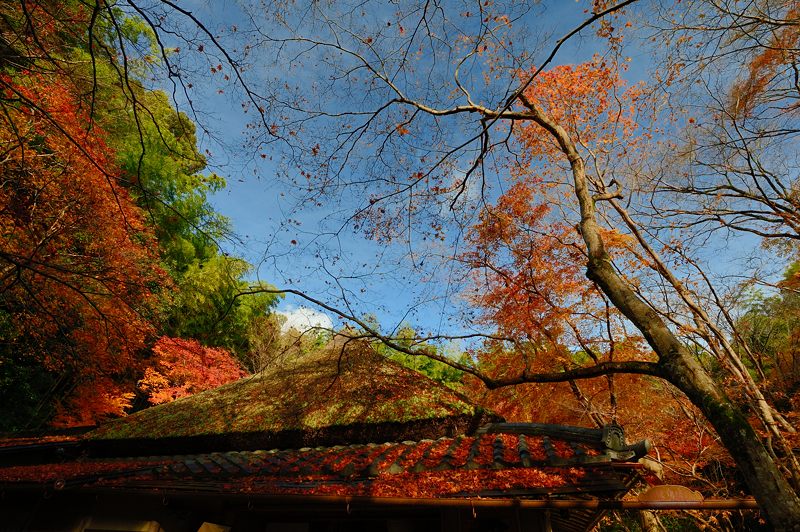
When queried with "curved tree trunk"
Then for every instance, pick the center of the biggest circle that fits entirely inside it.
(769, 486)
(774, 494)
(771, 489)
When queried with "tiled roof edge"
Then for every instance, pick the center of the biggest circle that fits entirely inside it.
(610, 438)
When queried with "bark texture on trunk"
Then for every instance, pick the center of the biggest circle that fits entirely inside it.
(769, 486)
(771, 489)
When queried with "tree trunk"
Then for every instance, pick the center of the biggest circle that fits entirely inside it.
(775, 496)
(769, 486)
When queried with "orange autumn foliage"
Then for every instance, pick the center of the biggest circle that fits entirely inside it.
(591, 101)
(762, 71)
(528, 261)
(184, 367)
(527, 269)
(79, 277)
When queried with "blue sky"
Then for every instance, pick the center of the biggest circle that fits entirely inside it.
(294, 243)
(282, 239)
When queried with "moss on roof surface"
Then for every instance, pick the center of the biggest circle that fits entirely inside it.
(333, 388)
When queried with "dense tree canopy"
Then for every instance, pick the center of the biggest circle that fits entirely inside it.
(81, 281)
(108, 239)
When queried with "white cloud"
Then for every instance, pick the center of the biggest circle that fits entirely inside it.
(304, 318)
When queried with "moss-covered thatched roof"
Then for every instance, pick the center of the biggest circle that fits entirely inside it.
(340, 395)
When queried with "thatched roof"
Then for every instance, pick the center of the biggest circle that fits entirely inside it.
(339, 395)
